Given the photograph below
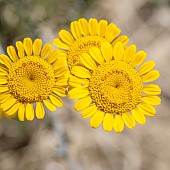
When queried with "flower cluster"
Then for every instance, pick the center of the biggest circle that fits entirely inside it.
(92, 63)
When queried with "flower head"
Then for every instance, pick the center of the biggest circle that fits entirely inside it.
(84, 35)
(32, 75)
(110, 88)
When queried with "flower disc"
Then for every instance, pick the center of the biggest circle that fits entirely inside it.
(31, 79)
(115, 87)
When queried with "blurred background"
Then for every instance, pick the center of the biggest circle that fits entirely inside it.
(63, 140)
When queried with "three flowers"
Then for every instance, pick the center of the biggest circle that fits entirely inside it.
(94, 64)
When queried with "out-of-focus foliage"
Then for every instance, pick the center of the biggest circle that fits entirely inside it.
(20, 18)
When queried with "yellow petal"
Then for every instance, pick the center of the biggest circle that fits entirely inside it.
(146, 67)
(151, 76)
(3, 80)
(138, 58)
(82, 103)
(93, 26)
(108, 122)
(3, 77)
(46, 51)
(3, 71)
(89, 111)
(8, 103)
(139, 116)
(123, 39)
(66, 37)
(97, 119)
(78, 82)
(20, 48)
(29, 112)
(13, 109)
(84, 26)
(78, 93)
(37, 45)
(4, 97)
(5, 60)
(12, 53)
(28, 46)
(96, 55)
(62, 81)
(60, 71)
(102, 28)
(152, 89)
(88, 61)
(76, 29)
(49, 105)
(128, 120)
(61, 91)
(40, 112)
(129, 53)
(112, 32)
(81, 72)
(59, 62)
(153, 100)
(4, 68)
(21, 112)
(118, 123)
(57, 42)
(106, 50)
(147, 109)
(53, 56)
(118, 51)
(4, 89)
(56, 100)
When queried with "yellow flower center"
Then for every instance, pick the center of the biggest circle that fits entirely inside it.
(31, 79)
(115, 87)
(80, 46)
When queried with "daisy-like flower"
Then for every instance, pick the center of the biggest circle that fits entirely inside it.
(31, 77)
(111, 90)
(84, 35)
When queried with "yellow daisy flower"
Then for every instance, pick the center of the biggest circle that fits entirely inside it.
(32, 75)
(84, 35)
(111, 90)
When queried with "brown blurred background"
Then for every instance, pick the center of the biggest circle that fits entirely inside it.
(63, 140)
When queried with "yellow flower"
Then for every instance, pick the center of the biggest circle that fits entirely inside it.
(84, 35)
(110, 89)
(33, 75)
